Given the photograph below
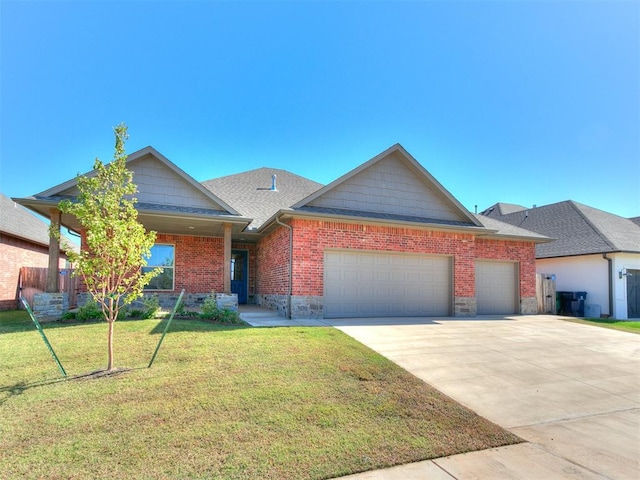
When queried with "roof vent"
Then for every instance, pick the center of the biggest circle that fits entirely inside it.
(274, 188)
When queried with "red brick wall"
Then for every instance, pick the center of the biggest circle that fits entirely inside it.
(523, 252)
(312, 237)
(198, 262)
(272, 257)
(14, 254)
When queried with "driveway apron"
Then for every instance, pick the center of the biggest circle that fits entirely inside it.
(571, 390)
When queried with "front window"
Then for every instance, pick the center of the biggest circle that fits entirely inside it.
(161, 256)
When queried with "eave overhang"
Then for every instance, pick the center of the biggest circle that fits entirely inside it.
(432, 224)
(160, 218)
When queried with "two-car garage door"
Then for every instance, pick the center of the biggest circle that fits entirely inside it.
(375, 284)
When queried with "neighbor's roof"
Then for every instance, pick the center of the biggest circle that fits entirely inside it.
(251, 193)
(502, 209)
(17, 221)
(577, 228)
(635, 220)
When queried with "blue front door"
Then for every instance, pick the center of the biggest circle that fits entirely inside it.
(240, 274)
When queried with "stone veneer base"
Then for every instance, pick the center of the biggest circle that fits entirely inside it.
(49, 307)
(465, 307)
(529, 306)
(167, 300)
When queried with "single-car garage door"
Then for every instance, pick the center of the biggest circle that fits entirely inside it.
(374, 284)
(496, 288)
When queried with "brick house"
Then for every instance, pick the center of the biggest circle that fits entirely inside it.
(386, 239)
(24, 242)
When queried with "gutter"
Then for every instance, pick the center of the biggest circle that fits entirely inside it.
(290, 263)
(610, 261)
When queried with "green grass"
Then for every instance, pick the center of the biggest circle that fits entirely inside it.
(624, 325)
(219, 402)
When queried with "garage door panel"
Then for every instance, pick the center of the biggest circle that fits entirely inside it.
(496, 288)
(386, 284)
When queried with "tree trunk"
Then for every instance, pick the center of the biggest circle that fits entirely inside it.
(110, 346)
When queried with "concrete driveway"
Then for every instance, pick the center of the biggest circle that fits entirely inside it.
(571, 390)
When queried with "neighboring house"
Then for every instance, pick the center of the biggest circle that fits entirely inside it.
(386, 239)
(24, 242)
(594, 251)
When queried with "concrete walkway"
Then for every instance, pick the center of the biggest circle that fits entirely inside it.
(571, 391)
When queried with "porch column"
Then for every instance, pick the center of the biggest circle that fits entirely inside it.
(226, 270)
(54, 252)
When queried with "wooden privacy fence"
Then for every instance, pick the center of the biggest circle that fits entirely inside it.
(546, 292)
(34, 280)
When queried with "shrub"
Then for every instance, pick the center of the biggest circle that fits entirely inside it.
(89, 311)
(229, 316)
(123, 312)
(151, 307)
(181, 310)
(69, 316)
(210, 307)
(211, 310)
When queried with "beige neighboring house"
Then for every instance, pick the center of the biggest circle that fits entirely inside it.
(24, 242)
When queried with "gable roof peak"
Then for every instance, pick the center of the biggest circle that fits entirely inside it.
(361, 187)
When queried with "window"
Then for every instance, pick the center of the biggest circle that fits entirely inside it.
(161, 256)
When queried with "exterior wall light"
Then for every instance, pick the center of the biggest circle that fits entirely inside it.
(624, 273)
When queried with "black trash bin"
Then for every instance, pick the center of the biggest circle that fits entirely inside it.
(563, 303)
(571, 303)
(580, 298)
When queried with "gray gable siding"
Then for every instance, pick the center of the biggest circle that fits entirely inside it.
(388, 187)
(159, 185)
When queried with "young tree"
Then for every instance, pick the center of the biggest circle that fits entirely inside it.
(115, 245)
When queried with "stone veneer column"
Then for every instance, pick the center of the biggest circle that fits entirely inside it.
(49, 307)
(465, 307)
(529, 306)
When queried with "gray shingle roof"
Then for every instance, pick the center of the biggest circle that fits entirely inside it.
(577, 228)
(17, 221)
(251, 195)
(635, 220)
(503, 209)
(508, 230)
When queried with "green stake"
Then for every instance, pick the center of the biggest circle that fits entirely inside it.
(44, 337)
(166, 328)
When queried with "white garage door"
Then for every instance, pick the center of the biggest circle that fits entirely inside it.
(373, 284)
(496, 288)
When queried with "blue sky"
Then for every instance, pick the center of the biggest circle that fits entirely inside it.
(528, 102)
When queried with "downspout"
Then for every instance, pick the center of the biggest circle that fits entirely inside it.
(290, 264)
(610, 260)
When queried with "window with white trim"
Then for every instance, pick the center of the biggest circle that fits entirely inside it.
(161, 256)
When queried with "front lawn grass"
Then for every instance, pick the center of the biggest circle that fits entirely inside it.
(624, 325)
(219, 402)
